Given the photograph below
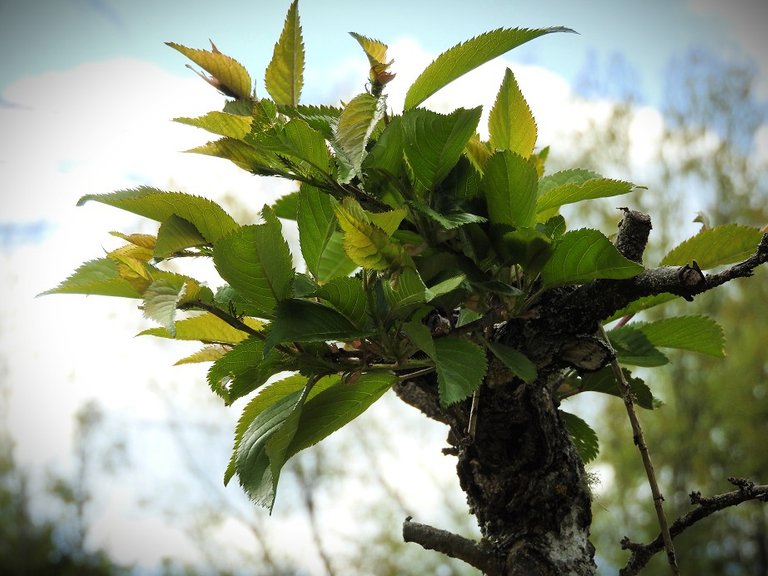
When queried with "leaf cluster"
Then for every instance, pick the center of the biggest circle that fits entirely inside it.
(416, 236)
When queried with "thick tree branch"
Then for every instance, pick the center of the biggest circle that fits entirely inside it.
(600, 299)
(453, 545)
(642, 553)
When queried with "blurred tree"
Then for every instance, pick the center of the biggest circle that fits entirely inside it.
(707, 153)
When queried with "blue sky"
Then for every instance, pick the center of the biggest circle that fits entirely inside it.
(46, 35)
(87, 91)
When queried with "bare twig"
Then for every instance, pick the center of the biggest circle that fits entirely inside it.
(642, 553)
(473, 553)
(639, 439)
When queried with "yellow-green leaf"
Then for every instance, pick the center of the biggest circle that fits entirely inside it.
(285, 73)
(227, 74)
(366, 244)
(205, 354)
(511, 124)
(205, 328)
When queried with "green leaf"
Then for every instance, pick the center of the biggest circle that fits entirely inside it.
(205, 354)
(322, 245)
(227, 74)
(510, 189)
(715, 247)
(266, 397)
(433, 143)
(510, 124)
(297, 140)
(245, 368)
(205, 215)
(467, 56)
(572, 186)
(98, 277)
(386, 155)
(356, 123)
(444, 287)
(261, 451)
(694, 333)
(366, 244)
(461, 366)
(285, 74)
(449, 220)
(584, 255)
(584, 438)
(306, 321)
(515, 360)
(231, 125)
(205, 328)
(338, 405)
(348, 296)
(604, 382)
(287, 206)
(634, 348)
(405, 292)
(256, 261)
(175, 235)
(245, 156)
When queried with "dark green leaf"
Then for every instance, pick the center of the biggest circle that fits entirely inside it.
(583, 255)
(584, 438)
(306, 321)
(515, 360)
(348, 297)
(461, 366)
(634, 348)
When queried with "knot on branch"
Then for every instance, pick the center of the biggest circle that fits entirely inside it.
(634, 229)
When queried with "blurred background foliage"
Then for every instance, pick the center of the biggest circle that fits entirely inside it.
(714, 423)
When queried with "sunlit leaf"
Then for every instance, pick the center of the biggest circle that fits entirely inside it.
(571, 186)
(175, 235)
(207, 216)
(467, 56)
(511, 125)
(227, 74)
(715, 247)
(230, 125)
(98, 277)
(206, 328)
(356, 123)
(285, 74)
(366, 244)
(205, 354)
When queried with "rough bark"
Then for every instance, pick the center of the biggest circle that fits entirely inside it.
(517, 465)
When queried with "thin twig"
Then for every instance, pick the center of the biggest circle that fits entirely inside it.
(642, 553)
(639, 439)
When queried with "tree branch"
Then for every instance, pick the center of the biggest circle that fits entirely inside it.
(473, 553)
(642, 553)
(600, 299)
